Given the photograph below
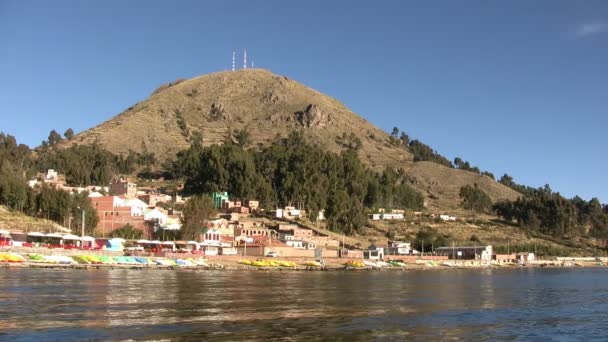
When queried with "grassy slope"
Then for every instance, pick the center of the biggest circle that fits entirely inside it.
(16, 221)
(487, 229)
(266, 105)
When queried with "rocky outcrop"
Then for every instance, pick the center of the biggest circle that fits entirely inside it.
(313, 116)
(270, 98)
(217, 112)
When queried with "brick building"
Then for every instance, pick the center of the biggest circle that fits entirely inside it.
(122, 187)
(113, 213)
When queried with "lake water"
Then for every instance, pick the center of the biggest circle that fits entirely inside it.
(493, 304)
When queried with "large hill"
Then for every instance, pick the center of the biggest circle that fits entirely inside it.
(268, 106)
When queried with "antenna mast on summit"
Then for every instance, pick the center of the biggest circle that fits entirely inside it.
(245, 59)
(233, 60)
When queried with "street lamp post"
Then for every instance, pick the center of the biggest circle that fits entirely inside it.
(82, 230)
(82, 226)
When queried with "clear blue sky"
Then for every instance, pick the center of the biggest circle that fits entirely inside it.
(511, 86)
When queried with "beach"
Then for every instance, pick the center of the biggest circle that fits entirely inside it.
(91, 260)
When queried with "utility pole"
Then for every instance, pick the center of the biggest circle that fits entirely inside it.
(82, 231)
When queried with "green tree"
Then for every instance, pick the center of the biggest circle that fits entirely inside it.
(550, 213)
(292, 170)
(395, 132)
(89, 164)
(69, 134)
(405, 139)
(243, 137)
(423, 152)
(427, 239)
(474, 199)
(350, 141)
(506, 180)
(197, 211)
(343, 214)
(54, 138)
(488, 174)
(127, 232)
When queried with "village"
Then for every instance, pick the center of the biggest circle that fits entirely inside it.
(241, 228)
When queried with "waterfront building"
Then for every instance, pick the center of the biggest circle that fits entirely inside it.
(466, 252)
(374, 252)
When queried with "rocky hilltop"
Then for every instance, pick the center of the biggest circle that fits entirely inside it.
(269, 106)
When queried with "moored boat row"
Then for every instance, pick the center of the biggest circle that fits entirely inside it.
(101, 260)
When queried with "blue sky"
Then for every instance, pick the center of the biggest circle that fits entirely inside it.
(516, 87)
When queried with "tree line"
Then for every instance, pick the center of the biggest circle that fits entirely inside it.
(544, 211)
(291, 170)
(550, 213)
(295, 171)
(87, 164)
(62, 207)
(423, 152)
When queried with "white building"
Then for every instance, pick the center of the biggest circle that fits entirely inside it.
(51, 175)
(401, 248)
(447, 218)
(137, 206)
(375, 217)
(373, 253)
(295, 243)
(290, 213)
(486, 254)
(213, 237)
(386, 216)
(156, 215)
(173, 223)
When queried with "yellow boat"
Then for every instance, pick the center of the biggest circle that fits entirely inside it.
(11, 257)
(353, 263)
(287, 264)
(259, 263)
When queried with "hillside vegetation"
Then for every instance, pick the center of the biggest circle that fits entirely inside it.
(259, 107)
(16, 221)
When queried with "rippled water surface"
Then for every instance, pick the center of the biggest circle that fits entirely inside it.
(515, 304)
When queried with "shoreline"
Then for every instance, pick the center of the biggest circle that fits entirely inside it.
(93, 260)
(237, 267)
